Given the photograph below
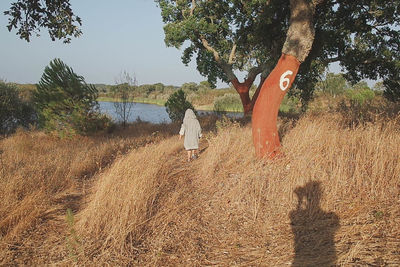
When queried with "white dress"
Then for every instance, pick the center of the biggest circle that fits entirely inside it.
(191, 129)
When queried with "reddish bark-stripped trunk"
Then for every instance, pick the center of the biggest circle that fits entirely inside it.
(299, 39)
(243, 90)
(265, 112)
(256, 93)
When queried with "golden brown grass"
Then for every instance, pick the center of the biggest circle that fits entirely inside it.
(331, 198)
(38, 172)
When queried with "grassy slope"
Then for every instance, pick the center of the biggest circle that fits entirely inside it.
(228, 209)
(148, 207)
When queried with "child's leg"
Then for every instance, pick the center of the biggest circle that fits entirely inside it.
(189, 154)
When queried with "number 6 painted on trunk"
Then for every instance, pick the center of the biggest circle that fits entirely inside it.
(284, 82)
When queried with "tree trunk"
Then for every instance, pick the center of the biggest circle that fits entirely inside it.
(299, 39)
(256, 93)
(243, 90)
(265, 112)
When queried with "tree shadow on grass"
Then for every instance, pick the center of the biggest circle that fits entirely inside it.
(313, 229)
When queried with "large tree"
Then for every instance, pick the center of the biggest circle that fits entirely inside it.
(299, 36)
(226, 37)
(302, 36)
(362, 35)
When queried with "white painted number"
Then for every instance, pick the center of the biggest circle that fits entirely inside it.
(284, 81)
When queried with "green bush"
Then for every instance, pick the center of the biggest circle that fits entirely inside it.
(333, 84)
(177, 105)
(290, 105)
(66, 103)
(228, 102)
(360, 97)
(14, 111)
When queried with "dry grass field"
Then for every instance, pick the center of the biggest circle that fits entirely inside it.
(331, 198)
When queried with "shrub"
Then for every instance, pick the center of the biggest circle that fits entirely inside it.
(290, 105)
(228, 102)
(358, 107)
(14, 111)
(124, 92)
(177, 105)
(360, 97)
(65, 102)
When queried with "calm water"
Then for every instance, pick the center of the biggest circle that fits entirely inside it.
(148, 112)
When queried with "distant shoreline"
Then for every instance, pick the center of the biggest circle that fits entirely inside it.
(158, 102)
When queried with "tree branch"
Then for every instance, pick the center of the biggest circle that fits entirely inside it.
(210, 48)
(331, 60)
(226, 67)
(253, 72)
(193, 7)
(232, 55)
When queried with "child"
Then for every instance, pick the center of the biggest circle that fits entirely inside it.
(192, 131)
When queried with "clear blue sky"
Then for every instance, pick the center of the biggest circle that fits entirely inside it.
(123, 35)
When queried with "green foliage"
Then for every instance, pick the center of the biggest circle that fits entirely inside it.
(189, 87)
(57, 16)
(290, 105)
(65, 103)
(333, 84)
(227, 102)
(361, 35)
(14, 111)
(205, 85)
(392, 87)
(364, 36)
(360, 96)
(250, 29)
(177, 105)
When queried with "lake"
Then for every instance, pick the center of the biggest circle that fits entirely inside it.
(149, 112)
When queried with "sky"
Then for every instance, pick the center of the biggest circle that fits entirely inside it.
(123, 35)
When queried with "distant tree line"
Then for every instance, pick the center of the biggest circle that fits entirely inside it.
(63, 102)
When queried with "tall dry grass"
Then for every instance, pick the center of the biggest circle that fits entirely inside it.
(125, 198)
(38, 171)
(331, 198)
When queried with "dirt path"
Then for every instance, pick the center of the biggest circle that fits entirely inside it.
(195, 224)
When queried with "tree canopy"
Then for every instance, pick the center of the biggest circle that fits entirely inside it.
(225, 36)
(29, 16)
